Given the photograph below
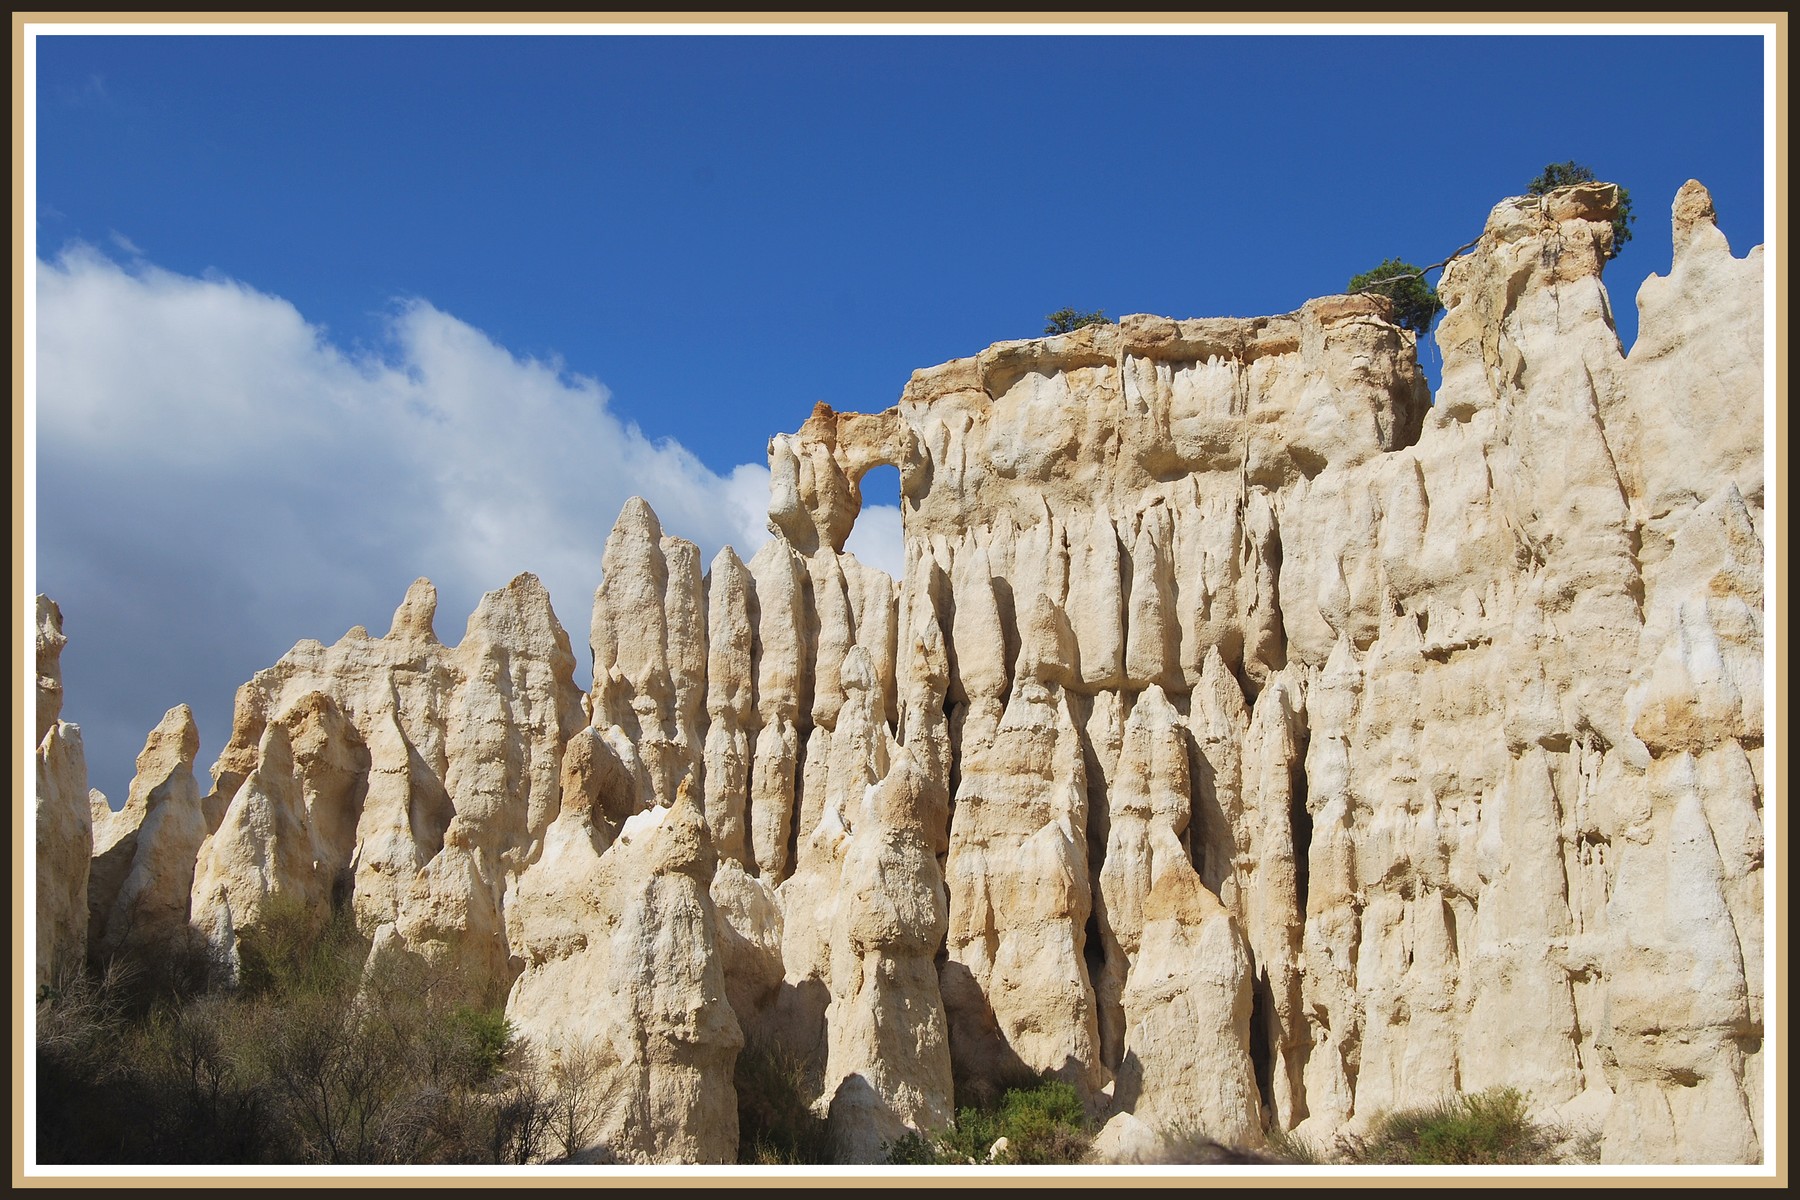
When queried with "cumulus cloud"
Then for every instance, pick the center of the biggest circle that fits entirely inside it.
(877, 538)
(217, 480)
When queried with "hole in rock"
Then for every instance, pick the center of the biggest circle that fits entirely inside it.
(876, 538)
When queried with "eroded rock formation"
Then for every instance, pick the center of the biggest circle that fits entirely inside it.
(144, 854)
(621, 963)
(1253, 740)
(65, 833)
(410, 780)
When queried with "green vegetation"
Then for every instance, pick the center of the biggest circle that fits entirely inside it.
(1043, 1124)
(485, 1038)
(1289, 1147)
(322, 1056)
(1566, 174)
(319, 1055)
(1064, 320)
(1491, 1128)
(776, 1127)
(1415, 302)
(1488, 1128)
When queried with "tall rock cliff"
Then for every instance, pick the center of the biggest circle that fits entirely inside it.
(1253, 740)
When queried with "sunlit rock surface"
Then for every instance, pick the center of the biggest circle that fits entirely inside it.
(1253, 740)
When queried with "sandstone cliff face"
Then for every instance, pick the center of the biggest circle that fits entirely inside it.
(1359, 741)
(1251, 740)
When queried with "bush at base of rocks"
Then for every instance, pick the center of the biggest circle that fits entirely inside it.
(1039, 1125)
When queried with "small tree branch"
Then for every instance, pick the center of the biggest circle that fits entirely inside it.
(1421, 272)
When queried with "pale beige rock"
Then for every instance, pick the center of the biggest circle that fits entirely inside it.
(813, 491)
(595, 783)
(629, 634)
(1125, 1140)
(1685, 425)
(114, 846)
(923, 683)
(1678, 1035)
(1176, 964)
(833, 635)
(841, 766)
(50, 643)
(1187, 1003)
(1686, 1005)
(749, 939)
(621, 957)
(978, 666)
(1153, 637)
(1015, 984)
(1096, 604)
(649, 642)
(1699, 669)
(887, 1068)
(452, 913)
(783, 678)
(772, 797)
(148, 912)
(261, 855)
(1269, 877)
(413, 780)
(874, 606)
(64, 816)
(64, 845)
(730, 704)
(859, 923)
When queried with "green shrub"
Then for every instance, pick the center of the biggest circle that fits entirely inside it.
(971, 1137)
(1043, 1124)
(483, 1038)
(1487, 1128)
(319, 1055)
(1067, 320)
(292, 949)
(1415, 302)
(914, 1150)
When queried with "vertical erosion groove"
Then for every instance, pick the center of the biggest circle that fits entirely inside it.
(1262, 1054)
(1300, 823)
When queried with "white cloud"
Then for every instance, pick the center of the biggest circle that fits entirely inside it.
(877, 539)
(217, 480)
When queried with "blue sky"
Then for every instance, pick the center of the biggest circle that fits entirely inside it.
(318, 314)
